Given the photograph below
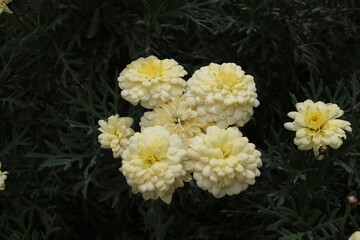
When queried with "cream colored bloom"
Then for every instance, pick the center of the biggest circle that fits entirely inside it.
(316, 125)
(222, 94)
(153, 164)
(355, 236)
(115, 133)
(2, 178)
(224, 161)
(176, 117)
(151, 81)
(4, 7)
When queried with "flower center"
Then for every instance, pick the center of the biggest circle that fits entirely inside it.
(316, 120)
(225, 152)
(227, 78)
(152, 69)
(118, 133)
(152, 159)
(178, 121)
(154, 153)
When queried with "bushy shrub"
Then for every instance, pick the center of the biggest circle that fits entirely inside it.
(59, 61)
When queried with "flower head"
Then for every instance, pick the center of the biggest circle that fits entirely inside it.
(222, 94)
(355, 236)
(224, 161)
(151, 81)
(2, 178)
(153, 164)
(115, 133)
(176, 117)
(316, 125)
(4, 7)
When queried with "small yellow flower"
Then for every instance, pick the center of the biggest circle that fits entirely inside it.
(316, 125)
(176, 117)
(151, 81)
(2, 178)
(355, 236)
(224, 162)
(222, 94)
(115, 133)
(4, 7)
(153, 164)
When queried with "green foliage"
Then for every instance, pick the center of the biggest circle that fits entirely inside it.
(59, 61)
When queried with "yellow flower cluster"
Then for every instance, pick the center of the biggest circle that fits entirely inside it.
(181, 134)
(316, 125)
(188, 131)
(4, 7)
(3, 176)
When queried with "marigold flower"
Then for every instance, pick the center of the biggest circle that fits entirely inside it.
(2, 178)
(4, 7)
(224, 161)
(176, 117)
(222, 94)
(153, 164)
(151, 81)
(316, 125)
(355, 236)
(115, 133)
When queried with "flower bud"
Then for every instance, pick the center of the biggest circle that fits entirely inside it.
(352, 201)
(324, 149)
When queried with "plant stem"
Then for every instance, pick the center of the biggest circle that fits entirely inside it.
(148, 40)
(18, 23)
(346, 216)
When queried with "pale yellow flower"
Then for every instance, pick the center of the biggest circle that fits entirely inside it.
(316, 125)
(115, 133)
(153, 164)
(224, 162)
(2, 178)
(151, 81)
(355, 236)
(4, 7)
(176, 117)
(222, 94)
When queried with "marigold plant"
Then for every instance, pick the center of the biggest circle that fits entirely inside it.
(61, 65)
(316, 124)
(176, 117)
(152, 81)
(3, 176)
(154, 163)
(223, 161)
(115, 133)
(355, 236)
(222, 94)
(4, 7)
